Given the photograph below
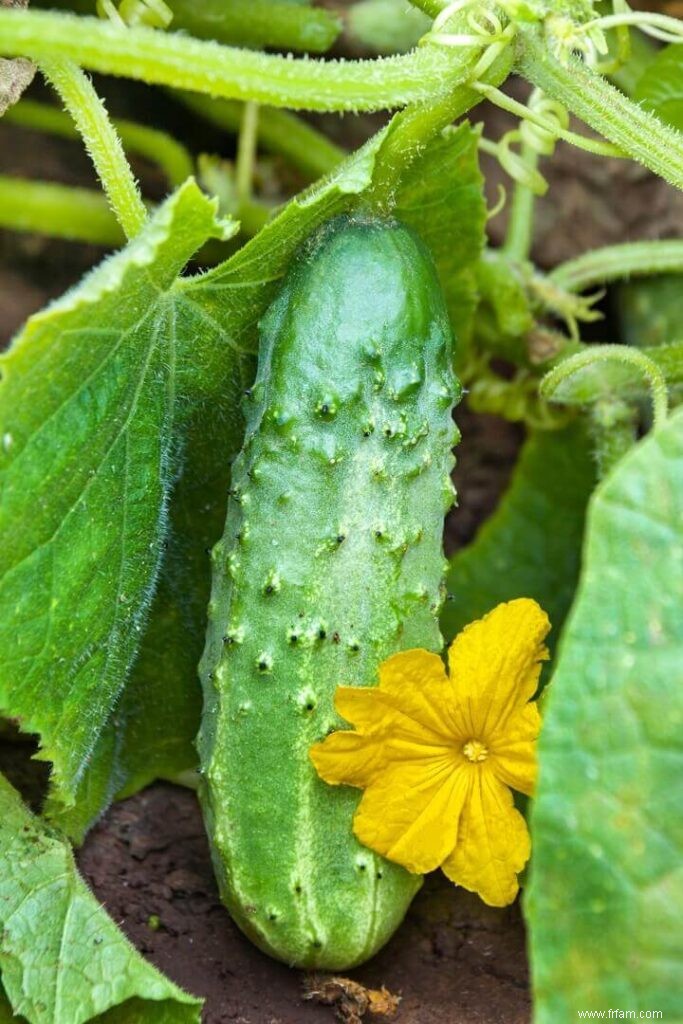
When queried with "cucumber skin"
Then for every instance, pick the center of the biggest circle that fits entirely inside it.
(330, 562)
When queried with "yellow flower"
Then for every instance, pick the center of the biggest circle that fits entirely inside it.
(437, 753)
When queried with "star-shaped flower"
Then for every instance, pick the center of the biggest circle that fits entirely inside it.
(437, 753)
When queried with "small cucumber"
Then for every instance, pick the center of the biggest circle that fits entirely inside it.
(331, 561)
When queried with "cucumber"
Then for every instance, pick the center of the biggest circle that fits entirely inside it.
(330, 562)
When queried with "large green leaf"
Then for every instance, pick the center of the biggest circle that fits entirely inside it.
(151, 732)
(660, 87)
(530, 547)
(89, 422)
(63, 960)
(606, 899)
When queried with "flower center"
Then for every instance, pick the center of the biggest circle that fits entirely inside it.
(475, 751)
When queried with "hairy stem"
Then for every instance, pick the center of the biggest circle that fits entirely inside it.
(635, 131)
(103, 144)
(151, 143)
(182, 62)
(608, 353)
(616, 262)
(412, 129)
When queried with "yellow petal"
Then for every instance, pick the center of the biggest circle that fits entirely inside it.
(387, 734)
(513, 751)
(495, 664)
(493, 842)
(416, 684)
(373, 711)
(346, 758)
(410, 812)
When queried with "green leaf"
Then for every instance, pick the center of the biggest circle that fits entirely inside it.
(606, 899)
(150, 732)
(442, 199)
(153, 729)
(530, 546)
(87, 420)
(660, 87)
(63, 960)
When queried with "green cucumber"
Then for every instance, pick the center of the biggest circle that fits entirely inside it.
(330, 562)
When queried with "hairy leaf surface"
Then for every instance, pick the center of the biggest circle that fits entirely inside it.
(89, 421)
(62, 958)
(606, 898)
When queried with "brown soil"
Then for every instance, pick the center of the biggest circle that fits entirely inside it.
(454, 961)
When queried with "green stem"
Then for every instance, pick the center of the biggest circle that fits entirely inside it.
(103, 144)
(615, 262)
(246, 152)
(409, 132)
(412, 129)
(78, 214)
(157, 146)
(179, 61)
(83, 215)
(520, 228)
(621, 354)
(513, 106)
(634, 130)
(258, 23)
(278, 132)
